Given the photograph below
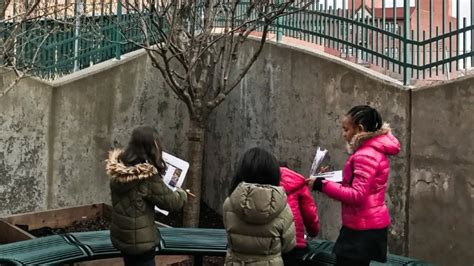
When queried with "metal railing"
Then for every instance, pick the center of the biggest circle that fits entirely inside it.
(421, 39)
(409, 40)
(73, 35)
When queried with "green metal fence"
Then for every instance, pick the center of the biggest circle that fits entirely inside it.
(410, 40)
(74, 35)
(418, 39)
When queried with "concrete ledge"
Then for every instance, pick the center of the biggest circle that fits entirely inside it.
(96, 68)
(288, 43)
(306, 48)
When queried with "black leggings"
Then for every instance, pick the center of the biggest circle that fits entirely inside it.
(343, 261)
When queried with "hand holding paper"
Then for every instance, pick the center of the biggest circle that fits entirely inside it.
(318, 159)
(334, 176)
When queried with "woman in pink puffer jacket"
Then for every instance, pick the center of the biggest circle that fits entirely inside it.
(365, 217)
(304, 211)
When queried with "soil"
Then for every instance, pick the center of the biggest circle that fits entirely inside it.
(77, 226)
(208, 218)
(213, 261)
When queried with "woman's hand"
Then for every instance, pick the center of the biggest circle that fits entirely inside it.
(310, 182)
(323, 169)
(189, 193)
(315, 183)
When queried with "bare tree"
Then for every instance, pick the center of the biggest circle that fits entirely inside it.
(197, 46)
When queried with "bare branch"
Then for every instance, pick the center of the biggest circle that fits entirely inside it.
(182, 96)
(19, 76)
(196, 45)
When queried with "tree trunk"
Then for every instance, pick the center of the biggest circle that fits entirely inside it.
(3, 8)
(194, 179)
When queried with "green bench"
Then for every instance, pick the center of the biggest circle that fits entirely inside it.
(45, 250)
(191, 241)
(174, 241)
(97, 244)
(199, 242)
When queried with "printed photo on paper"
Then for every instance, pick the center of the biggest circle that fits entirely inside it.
(176, 170)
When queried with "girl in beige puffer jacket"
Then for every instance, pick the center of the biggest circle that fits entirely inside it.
(257, 218)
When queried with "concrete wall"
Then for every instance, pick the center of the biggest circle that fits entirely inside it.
(291, 102)
(441, 224)
(97, 112)
(55, 137)
(24, 149)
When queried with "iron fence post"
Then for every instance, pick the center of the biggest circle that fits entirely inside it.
(279, 30)
(77, 33)
(406, 32)
(118, 35)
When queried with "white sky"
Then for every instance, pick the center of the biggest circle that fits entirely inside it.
(464, 11)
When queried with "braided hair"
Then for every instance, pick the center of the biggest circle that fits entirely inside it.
(366, 116)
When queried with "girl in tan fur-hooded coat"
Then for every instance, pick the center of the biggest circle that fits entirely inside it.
(136, 187)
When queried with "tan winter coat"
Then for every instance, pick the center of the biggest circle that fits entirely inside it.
(135, 192)
(259, 225)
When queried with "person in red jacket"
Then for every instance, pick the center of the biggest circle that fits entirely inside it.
(365, 217)
(304, 211)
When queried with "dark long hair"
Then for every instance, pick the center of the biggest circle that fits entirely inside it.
(257, 166)
(144, 146)
(366, 116)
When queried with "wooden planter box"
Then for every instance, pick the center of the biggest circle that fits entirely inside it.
(11, 226)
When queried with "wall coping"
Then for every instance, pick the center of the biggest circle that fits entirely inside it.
(285, 43)
(331, 58)
(97, 68)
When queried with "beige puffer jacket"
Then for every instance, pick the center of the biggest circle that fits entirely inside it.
(259, 225)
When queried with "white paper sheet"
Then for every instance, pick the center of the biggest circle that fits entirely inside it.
(334, 176)
(175, 174)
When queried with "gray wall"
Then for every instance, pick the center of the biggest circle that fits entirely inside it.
(441, 224)
(290, 103)
(24, 149)
(55, 137)
(97, 112)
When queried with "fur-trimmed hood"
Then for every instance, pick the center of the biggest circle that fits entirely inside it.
(121, 173)
(382, 140)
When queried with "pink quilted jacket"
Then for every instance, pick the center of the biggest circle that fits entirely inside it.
(362, 192)
(302, 205)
